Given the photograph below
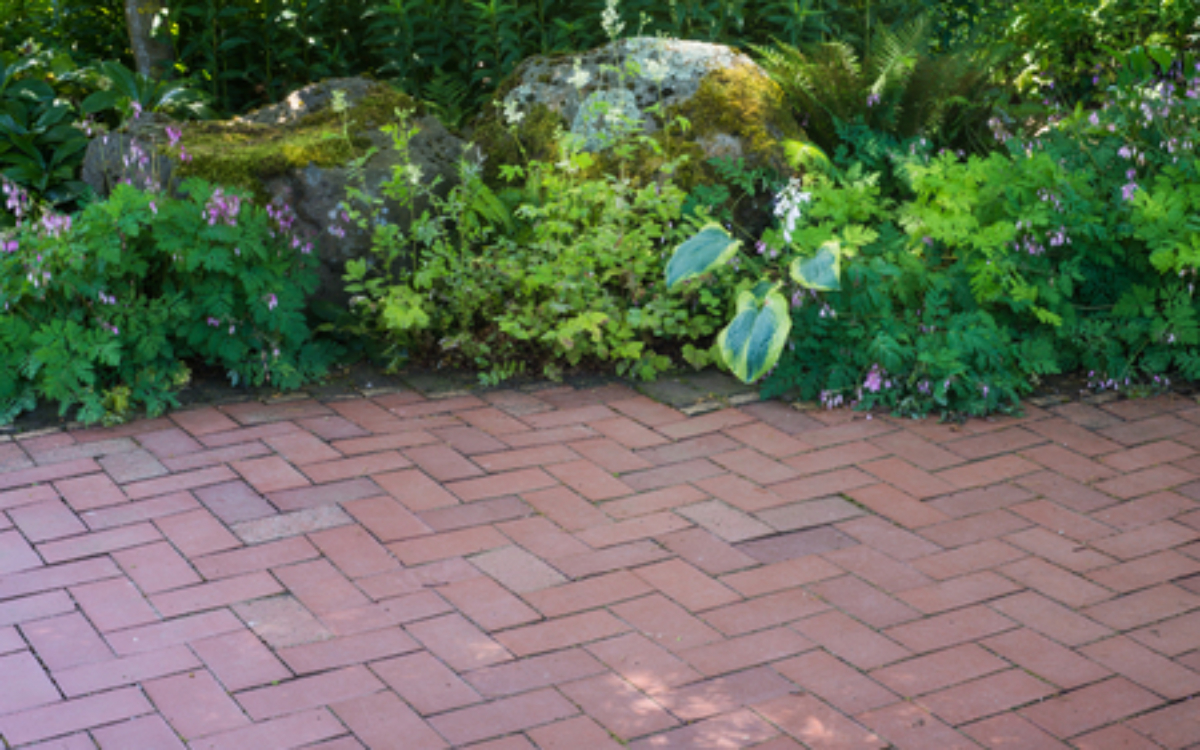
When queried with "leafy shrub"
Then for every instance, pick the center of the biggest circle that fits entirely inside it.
(1073, 251)
(49, 106)
(130, 93)
(1072, 44)
(41, 146)
(561, 270)
(895, 83)
(104, 310)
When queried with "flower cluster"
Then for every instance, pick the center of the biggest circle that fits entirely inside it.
(16, 201)
(832, 399)
(876, 379)
(223, 207)
(788, 206)
(610, 20)
(55, 225)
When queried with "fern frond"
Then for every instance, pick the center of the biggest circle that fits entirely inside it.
(897, 53)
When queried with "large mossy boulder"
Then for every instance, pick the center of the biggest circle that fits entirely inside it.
(734, 108)
(299, 151)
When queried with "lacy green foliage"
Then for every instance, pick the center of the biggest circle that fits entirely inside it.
(104, 311)
(895, 83)
(561, 270)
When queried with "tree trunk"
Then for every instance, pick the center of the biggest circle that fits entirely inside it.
(153, 56)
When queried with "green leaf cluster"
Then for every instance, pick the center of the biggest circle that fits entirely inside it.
(959, 282)
(108, 311)
(561, 269)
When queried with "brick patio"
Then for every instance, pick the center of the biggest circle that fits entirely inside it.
(589, 569)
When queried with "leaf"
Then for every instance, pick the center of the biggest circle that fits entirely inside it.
(99, 101)
(712, 246)
(822, 271)
(752, 342)
(800, 155)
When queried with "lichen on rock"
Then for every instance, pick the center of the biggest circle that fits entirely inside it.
(732, 107)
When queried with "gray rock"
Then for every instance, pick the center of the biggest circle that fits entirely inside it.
(630, 76)
(604, 113)
(308, 100)
(734, 109)
(316, 193)
(112, 158)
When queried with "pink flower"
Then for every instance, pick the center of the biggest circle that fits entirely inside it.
(874, 380)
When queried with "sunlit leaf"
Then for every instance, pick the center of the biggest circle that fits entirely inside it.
(710, 247)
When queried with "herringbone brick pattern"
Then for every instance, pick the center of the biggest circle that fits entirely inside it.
(589, 569)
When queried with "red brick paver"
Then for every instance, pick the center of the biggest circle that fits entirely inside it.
(588, 569)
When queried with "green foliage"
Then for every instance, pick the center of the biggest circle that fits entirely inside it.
(1067, 47)
(47, 106)
(103, 311)
(452, 54)
(560, 270)
(894, 82)
(89, 29)
(133, 93)
(752, 342)
(41, 146)
(964, 280)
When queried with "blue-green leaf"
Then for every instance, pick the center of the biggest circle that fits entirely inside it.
(752, 342)
(711, 247)
(823, 271)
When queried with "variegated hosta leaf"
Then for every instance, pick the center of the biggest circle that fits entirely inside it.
(752, 342)
(711, 247)
(823, 271)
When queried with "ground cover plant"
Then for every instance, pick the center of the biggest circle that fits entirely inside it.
(977, 275)
(106, 309)
(989, 194)
(560, 269)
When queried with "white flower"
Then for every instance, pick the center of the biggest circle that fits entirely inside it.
(656, 70)
(511, 114)
(788, 205)
(414, 174)
(580, 77)
(339, 101)
(610, 19)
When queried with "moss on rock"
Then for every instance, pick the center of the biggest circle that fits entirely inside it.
(535, 138)
(743, 102)
(244, 154)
